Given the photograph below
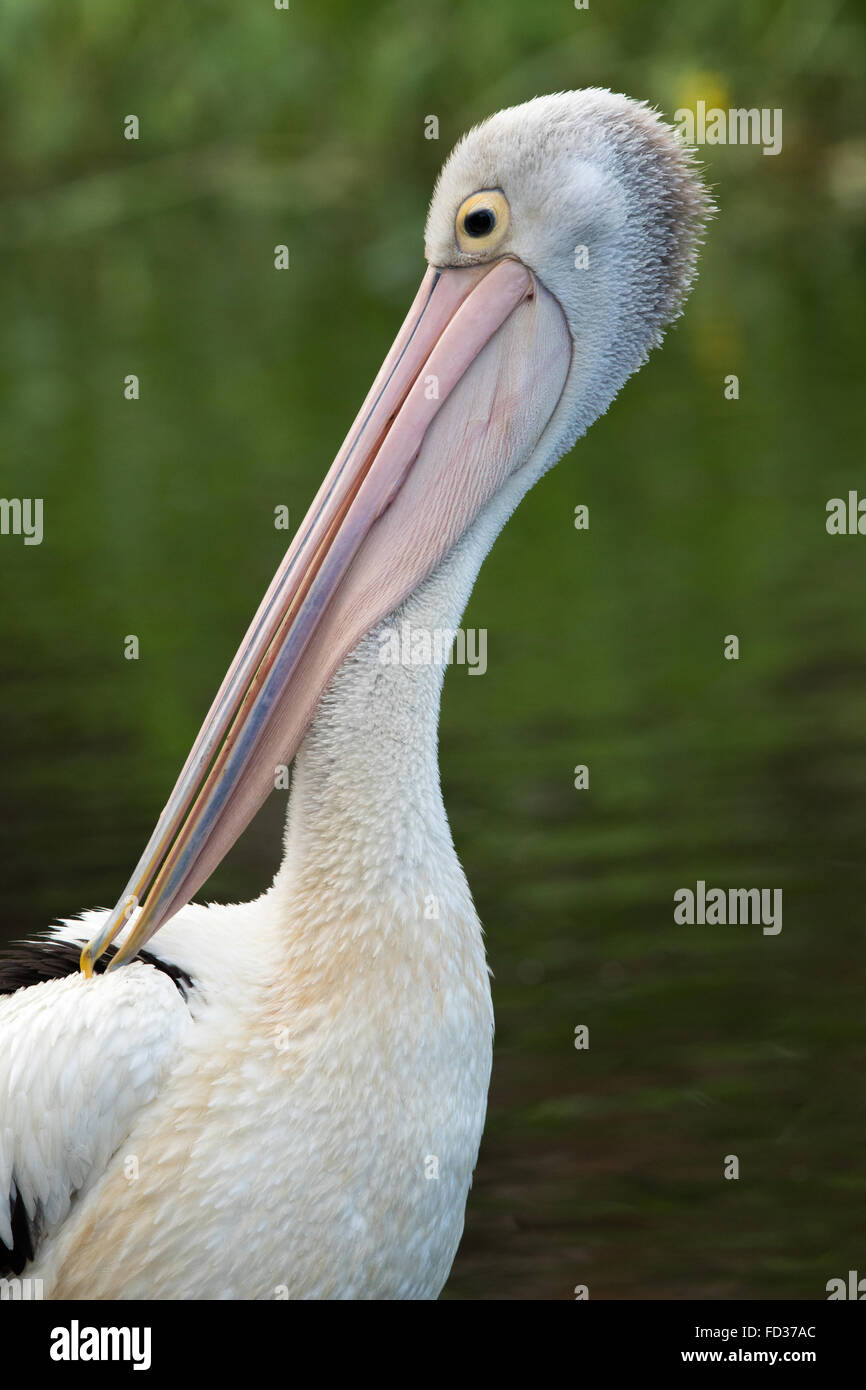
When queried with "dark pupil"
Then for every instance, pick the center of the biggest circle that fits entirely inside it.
(479, 222)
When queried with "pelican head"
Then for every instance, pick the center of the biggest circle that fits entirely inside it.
(561, 240)
(603, 203)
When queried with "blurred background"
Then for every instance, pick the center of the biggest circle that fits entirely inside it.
(707, 517)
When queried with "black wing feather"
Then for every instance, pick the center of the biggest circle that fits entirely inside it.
(32, 962)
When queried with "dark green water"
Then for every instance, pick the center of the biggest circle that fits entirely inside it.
(605, 647)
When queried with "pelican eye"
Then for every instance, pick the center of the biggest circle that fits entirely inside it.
(479, 222)
(482, 221)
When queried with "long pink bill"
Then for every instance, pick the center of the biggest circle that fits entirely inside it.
(459, 403)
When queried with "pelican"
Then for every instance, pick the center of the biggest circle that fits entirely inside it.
(285, 1098)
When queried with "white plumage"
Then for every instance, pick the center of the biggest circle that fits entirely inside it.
(320, 1066)
(305, 1123)
(58, 1129)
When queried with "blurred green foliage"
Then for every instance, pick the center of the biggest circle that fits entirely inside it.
(605, 647)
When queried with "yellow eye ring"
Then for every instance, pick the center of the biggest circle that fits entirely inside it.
(482, 221)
